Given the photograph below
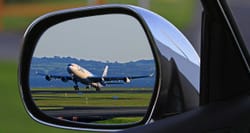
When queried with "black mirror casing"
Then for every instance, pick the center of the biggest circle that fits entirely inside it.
(177, 66)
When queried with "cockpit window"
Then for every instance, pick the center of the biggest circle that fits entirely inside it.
(79, 68)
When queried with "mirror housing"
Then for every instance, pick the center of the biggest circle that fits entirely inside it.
(177, 65)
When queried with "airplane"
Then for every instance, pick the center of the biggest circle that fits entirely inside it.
(82, 75)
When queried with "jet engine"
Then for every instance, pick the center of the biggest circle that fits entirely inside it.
(126, 80)
(47, 77)
(64, 79)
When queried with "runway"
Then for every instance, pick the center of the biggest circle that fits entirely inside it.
(90, 114)
(100, 105)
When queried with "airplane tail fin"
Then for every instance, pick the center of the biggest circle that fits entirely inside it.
(105, 71)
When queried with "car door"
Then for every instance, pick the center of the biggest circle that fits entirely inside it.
(224, 91)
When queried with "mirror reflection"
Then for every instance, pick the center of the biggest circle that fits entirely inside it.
(97, 69)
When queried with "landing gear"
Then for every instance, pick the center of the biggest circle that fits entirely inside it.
(88, 86)
(98, 89)
(76, 88)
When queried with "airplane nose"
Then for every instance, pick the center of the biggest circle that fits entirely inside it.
(69, 68)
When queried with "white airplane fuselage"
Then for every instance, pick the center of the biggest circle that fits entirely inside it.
(82, 74)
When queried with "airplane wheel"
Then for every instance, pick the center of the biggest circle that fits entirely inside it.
(76, 88)
(87, 87)
(98, 89)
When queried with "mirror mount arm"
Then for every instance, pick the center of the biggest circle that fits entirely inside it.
(170, 101)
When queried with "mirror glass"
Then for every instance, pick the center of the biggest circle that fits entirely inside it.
(97, 69)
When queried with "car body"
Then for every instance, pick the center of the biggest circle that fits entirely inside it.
(221, 104)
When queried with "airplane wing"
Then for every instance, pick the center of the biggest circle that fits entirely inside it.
(50, 77)
(119, 79)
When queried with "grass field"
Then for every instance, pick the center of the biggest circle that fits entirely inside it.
(129, 99)
(13, 118)
(120, 120)
(60, 99)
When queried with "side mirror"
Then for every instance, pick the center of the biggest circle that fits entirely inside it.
(106, 68)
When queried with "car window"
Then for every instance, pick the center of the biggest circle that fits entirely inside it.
(240, 10)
